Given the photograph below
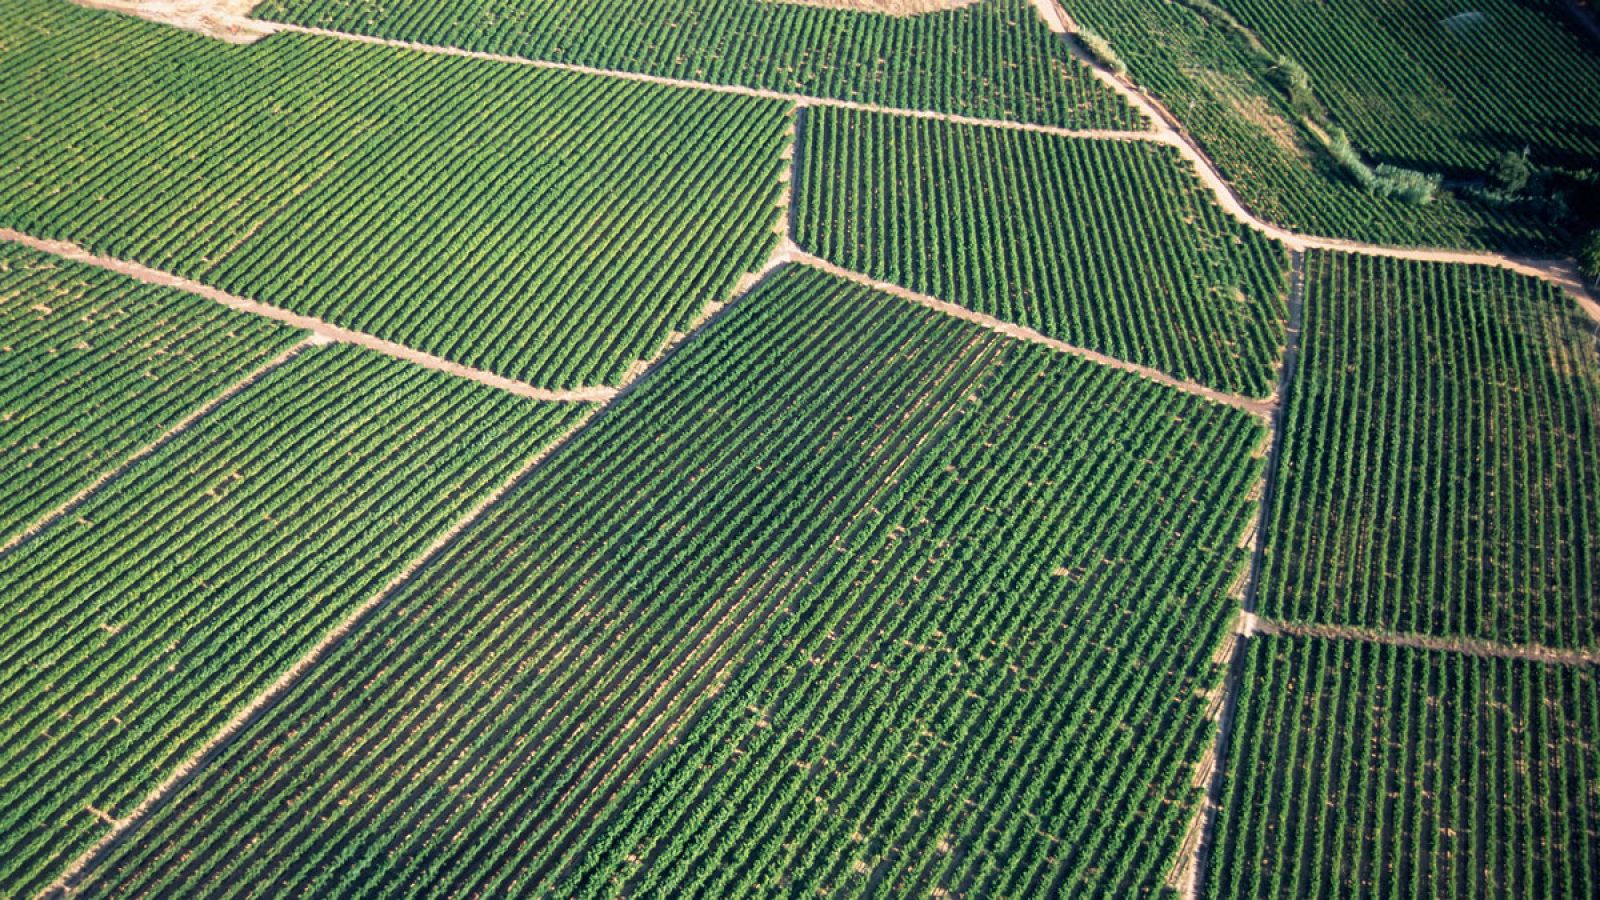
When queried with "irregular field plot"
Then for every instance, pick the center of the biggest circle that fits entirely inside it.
(926, 606)
(1439, 472)
(1226, 102)
(994, 58)
(1110, 245)
(549, 227)
(1369, 770)
(134, 629)
(1445, 83)
(94, 366)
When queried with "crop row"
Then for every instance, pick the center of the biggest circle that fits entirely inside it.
(549, 227)
(924, 598)
(993, 58)
(132, 631)
(1111, 245)
(1228, 103)
(1369, 770)
(1439, 472)
(1478, 79)
(93, 366)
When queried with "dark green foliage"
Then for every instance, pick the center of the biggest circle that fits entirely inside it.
(1115, 246)
(926, 604)
(130, 633)
(1439, 472)
(1366, 770)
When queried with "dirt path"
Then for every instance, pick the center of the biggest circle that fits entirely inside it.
(319, 328)
(1470, 646)
(1260, 408)
(177, 428)
(1195, 850)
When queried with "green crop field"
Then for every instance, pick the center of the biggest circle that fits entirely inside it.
(1476, 78)
(993, 58)
(636, 647)
(1369, 770)
(132, 629)
(1229, 100)
(1106, 244)
(1440, 473)
(453, 205)
(94, 366)
(813, 448)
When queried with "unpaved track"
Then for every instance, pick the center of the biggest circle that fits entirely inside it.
(177, 428)
(324, 330)
(1196, 847)
(1260, 408)
(1469, 646)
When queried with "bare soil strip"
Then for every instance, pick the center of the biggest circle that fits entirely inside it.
(885, 7)
(1469, 646)
(1260, 408)
(324, 330)
(1561, 272)
(179, 427)
(1189, 872)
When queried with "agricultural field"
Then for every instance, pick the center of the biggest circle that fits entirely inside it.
(1107, 244)
(94, 366)
(1372, 770)
(1480, 78)
(138, 624)
(548, 227)
(1231, 102)
(1439, 466)
(736, 448)
(990, 58)
(900, 656)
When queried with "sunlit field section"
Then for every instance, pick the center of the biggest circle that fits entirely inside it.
(927, 609)
(133, 629)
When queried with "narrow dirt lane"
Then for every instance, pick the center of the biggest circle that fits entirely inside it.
(321, 329)
(1260, 408)
(1469, 646)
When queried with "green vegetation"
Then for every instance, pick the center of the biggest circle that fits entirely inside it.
(1362, 769)
(994, 58)
(549, 227)
(1256, 113)
(1111, 245)
(1444, 85)
(94, 366)
(927, 607)
(132, 631)
(1439, 473)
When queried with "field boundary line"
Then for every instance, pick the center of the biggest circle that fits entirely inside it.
(324, 330)
(1464, 645)
(172, 431)
(1194, 851)
(1563, 273)
(1259, 408)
